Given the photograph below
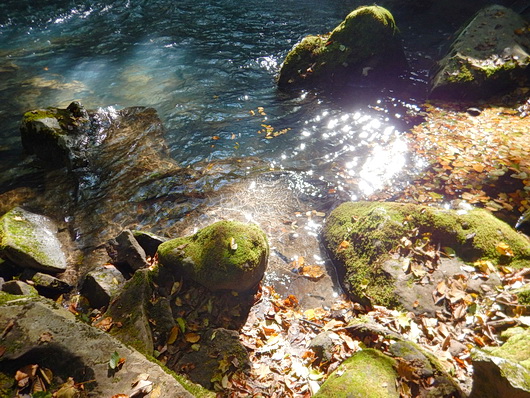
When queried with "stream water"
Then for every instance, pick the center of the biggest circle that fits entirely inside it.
(208, 68)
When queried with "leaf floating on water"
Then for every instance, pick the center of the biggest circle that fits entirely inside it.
(312, 271)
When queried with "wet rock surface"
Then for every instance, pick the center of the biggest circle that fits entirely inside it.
(30, 241)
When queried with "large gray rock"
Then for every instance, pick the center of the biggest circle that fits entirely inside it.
(29, 240)
(491, 53)
(365, 44)
(227, 255)
(56, 340)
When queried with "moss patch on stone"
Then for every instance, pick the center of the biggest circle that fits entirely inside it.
(368, 36)
(372, 230)
(29, 240)
(516, 348)
(368, 373)
(227, 255)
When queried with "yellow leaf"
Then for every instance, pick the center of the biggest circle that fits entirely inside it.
(479, 168)
(173, 334)
(343, 245)
(504, 250)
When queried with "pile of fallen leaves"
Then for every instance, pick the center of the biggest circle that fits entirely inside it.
(478, 154)
(287, 361)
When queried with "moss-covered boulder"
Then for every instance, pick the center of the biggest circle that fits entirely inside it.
(48, 133)
(30, 241)
(361, 236)
(227, 255)
(491, 53)
(499, 374)
(131, 307)
(368, 374)
(365, 44)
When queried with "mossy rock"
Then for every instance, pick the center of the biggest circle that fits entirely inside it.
(498, 377)
(131, 307)
(361, 235)
(367, 374)
(365, 43)
(29, 240)
(490, 54)
(516, 348)
(46, 132)
(227, 255)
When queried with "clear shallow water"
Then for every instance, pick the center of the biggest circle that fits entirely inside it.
(208, 68)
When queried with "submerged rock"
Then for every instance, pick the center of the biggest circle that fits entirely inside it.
(361, 236)
(368, 374)
(29, 240)
(226, 255)
(365, 44)
(491, 53)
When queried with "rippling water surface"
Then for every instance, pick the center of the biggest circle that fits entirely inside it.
(208, 68)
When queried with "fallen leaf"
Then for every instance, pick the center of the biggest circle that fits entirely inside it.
(192, 337)
(343, 245)
(114, 360)
(173, 334)
(312, 271)
(504, 249)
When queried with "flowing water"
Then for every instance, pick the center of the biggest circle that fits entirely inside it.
(208, 68)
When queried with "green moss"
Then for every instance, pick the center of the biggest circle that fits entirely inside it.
(349, 46)
(373, 230)
(516, 348)
(6, 298)
(224, 255)
(7, 384)
(523, 296)
(196, 390)
(368, 374)
(462, 75)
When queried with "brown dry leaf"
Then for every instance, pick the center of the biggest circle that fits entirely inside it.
(2, 350)
(120, 396)
(343, 245)
(45, 337)
(192, 337)
(173, 334)
(26, 371)
(312, 271)
(105, 324)
(332, 324)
